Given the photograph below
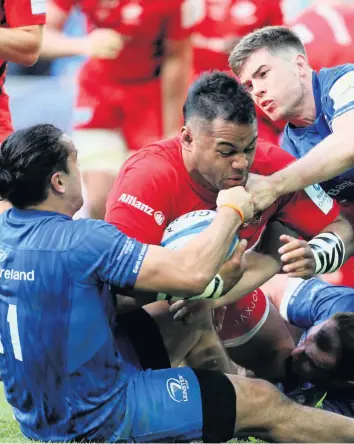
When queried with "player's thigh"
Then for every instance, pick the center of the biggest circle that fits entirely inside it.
(179, 338)
(255, 335)
(181, 405)
(142, 122)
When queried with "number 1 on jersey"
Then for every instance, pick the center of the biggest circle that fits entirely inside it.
(14, 334)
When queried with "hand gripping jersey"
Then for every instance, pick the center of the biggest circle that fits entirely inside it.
(331, 24)
(333, 90)
(153, 188)
(13, 14)
(62, 372)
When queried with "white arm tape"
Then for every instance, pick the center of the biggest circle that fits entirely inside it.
(213, 291)
(329, 252)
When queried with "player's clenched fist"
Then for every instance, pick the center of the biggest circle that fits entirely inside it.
(237, 197)
(104, 44)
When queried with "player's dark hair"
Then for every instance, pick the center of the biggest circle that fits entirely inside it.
(272, 38)
(345, 327)
(28, 159)
(217, 95)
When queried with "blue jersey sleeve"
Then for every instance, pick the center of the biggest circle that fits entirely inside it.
(337, 91)
(314, 301)
(105, 253)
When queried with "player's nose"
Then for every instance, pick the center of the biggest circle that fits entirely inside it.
(240, 162)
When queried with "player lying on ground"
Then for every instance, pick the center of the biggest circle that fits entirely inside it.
(217, 149)
(324, 314)
(65, 374)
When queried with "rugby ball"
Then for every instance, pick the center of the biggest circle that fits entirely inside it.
(185, 227)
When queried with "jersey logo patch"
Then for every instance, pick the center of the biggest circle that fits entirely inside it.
(342, 92)
(134, 202)
(320, 198)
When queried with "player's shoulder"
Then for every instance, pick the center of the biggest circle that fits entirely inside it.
(328, 76)
(159, 157)
(269, 158)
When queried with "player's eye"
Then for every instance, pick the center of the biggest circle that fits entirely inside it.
(263, 74)
(248, 86)
(226, 153)
(250, 149)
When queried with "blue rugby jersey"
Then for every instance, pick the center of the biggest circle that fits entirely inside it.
(333, 90)
(62, 373)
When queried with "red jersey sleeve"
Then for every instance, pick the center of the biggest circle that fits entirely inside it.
(308, 212)
(136, 205)
(24, 12)
(65, 5)
(184, 18)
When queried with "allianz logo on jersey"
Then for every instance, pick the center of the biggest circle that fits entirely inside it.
(134, 202)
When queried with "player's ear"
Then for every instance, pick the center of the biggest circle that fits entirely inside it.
(57, 182)
(302, 64)
(186, 137)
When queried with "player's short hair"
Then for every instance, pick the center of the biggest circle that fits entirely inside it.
(345, 327)
(28, 159)
(217, 95)
(273, 38)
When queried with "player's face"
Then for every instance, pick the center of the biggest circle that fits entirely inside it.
(274, 83)
(316, 356)
(223, 153)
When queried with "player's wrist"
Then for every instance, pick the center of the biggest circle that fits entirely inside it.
(81, 46)
(278, 184)
(230, 211)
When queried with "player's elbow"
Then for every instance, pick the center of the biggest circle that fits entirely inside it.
(197, 282)
(29, 59)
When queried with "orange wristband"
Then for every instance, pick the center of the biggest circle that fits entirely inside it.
(237, 209)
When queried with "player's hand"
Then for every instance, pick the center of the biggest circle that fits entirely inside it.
(103, 44)
(191, 311)
(239, 197)
(233, 269)
(262, 190)
(297, 257)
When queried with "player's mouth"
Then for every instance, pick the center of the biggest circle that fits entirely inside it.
(235, 181)
(267, 105)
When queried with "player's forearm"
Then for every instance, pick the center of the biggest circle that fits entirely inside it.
(20, 45)
(344, 229)
(260, 268)
(176, 76)
(188, 271)
(56, 45)
(331, 157)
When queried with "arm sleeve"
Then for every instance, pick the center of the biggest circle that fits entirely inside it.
(184, 18)
(24, 12)
(139, 202)
(340, 88)
(106, 253)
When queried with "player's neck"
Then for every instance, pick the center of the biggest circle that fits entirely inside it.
(304, 113)
(53, 206)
